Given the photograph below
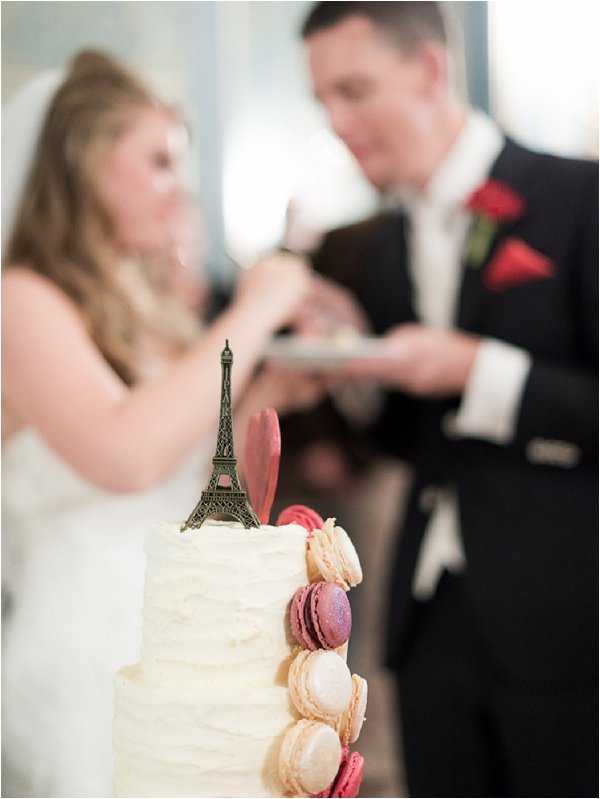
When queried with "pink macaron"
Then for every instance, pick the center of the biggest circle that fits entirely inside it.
(349, 777)
(320, 616)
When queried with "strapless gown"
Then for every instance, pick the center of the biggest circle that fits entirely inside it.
(73, 574)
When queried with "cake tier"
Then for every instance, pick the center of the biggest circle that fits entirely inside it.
(178, 739)
(216, 602)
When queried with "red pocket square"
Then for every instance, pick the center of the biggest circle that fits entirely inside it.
(516, 262)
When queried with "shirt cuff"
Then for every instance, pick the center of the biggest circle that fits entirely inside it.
(493, 392)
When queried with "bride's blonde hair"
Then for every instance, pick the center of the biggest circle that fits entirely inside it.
(62, 231)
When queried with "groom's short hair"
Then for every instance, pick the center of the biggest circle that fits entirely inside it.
(406, 24)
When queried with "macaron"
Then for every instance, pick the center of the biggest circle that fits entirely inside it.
(320, 685)
(320, 616)
(332, 557)
(342, 651)
(298, 625)
(352, 719)
(300, 514)
(309, 757)
(350, 775)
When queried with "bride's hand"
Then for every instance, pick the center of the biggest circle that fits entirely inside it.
(276, 287)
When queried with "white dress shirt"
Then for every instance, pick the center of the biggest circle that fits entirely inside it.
(438, 225)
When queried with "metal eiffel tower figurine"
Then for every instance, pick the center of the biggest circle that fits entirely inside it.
(224, 496)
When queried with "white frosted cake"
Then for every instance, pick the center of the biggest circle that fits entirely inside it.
(205, 711)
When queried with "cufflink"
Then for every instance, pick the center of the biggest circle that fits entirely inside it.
(553, 453)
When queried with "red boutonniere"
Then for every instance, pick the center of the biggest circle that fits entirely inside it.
(492, 204)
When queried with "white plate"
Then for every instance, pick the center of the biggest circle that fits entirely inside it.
(320, 354)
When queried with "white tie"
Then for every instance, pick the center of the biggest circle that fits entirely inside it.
(437, 240)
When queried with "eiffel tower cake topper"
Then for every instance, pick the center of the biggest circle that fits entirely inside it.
(224, 495)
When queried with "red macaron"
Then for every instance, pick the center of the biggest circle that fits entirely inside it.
(320, 616)
(349, 777)
(302, 515)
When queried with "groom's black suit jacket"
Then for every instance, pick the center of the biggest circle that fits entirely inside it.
(528, 519)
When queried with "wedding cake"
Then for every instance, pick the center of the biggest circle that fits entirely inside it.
(204, 712)
(243, 688)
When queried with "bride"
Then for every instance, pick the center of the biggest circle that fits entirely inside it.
(110, 400)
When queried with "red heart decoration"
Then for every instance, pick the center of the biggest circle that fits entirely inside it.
(261, 461)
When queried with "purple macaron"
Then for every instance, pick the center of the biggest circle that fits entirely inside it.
(320, 616)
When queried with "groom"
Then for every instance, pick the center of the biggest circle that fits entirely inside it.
(483, 281)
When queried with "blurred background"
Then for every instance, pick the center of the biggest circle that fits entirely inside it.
(260, 141)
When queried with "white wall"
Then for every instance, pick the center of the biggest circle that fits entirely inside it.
(276, 142)
(544, 73)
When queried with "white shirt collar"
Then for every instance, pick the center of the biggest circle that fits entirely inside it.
(466, 166)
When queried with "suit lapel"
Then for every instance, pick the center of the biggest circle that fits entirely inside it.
(474, 298)
(387, 288)
(471, 299)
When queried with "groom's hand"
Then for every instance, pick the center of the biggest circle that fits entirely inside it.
(421, 360)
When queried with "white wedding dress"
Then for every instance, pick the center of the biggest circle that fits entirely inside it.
(73, 571)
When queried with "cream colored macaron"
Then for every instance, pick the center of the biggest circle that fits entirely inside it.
(320, 684)
(309, 757)
(332, 557)
(342, 651)
(351, 721)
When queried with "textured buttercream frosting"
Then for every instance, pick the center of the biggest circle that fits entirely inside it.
(205, 711)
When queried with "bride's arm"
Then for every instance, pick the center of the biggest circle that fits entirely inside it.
(122, 439)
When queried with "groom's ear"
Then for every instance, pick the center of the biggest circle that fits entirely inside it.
(433, 60)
